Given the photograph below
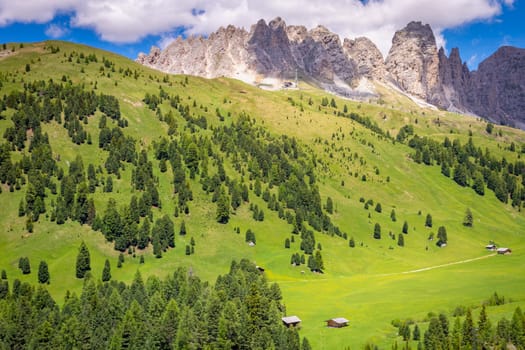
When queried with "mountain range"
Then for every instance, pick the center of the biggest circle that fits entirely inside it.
(272, 54)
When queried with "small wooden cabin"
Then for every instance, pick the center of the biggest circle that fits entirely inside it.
(337, 322)
(504, 251)
(291, 321)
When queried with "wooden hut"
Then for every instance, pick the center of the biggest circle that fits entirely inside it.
(491, 247)
(504, 251)
(337, 322)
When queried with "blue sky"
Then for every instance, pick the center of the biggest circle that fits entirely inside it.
(477, 27)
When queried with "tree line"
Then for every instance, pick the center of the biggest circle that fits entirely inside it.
(470, 166)
(240, 311)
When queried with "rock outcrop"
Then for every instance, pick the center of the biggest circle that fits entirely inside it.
(366, 56)
(272, 50)
(497, 88)
(454, 79)
(414, 64)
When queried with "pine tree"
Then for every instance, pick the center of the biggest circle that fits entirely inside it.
(378, 208)
(377, 231)
(329, 205)
(484, 328)
(319, 265)
(428, 221)
(405, 227)
(416, 335)
(517, 331)
(106, 272)
(442, 236)
(456, 336)
(306, 344)
(479, 184)
(24, 265)
(223, 207)
(83, 261)
(43, 273)
(393, 215)
(144, 234)
(468, 336)
(351, 242)
(469, 219)
(182, 230)
(400, 240)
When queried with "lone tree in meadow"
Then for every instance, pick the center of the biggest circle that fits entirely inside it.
(405, 227)
(377, 231)
(442, 236)
(43, 273)
(106, 272)
(83, 261)
(469, 218)
(428, 221)
(400, 240)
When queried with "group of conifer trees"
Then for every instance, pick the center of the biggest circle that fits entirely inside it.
(469, 165)
(466, 333)
(241, 311)
(278, 170)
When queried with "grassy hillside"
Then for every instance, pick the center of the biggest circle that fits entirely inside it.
(371, 284)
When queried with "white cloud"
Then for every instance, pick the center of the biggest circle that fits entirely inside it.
(127, 21)
(165, 40)
(56, 31)
(472, 61)
(39, 11)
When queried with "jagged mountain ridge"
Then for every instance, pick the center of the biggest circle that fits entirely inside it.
(273, 52)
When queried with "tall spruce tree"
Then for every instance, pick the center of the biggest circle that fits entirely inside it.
(223, 207)
(405, 227)
(83, 261)
(428, 221)
(43, 273)
(469, 218)
(468, 331)
(106, 272)
(377, 231)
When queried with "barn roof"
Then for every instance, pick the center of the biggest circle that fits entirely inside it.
(291, 319)
(340, 320)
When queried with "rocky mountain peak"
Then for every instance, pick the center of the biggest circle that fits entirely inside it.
(277, 23)
(413, 61)
(276, 51)
(367, 57)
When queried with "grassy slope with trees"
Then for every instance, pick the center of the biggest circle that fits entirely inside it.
(355, 167)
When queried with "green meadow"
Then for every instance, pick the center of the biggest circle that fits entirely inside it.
(372, 284)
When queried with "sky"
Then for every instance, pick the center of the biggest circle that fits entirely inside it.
(127, 27)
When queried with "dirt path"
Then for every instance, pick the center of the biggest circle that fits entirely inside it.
(440, 266)
(396, 273)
